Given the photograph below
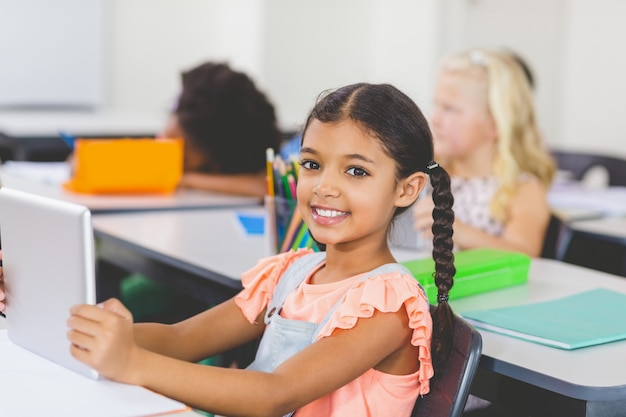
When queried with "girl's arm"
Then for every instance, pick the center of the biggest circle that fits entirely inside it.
(103, 339)
(524, 230)
(253, 185)
(211, 332)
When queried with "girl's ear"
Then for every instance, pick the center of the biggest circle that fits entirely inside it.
(409, 189)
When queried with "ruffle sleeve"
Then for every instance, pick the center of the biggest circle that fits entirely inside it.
(259, 282)
(388, 293)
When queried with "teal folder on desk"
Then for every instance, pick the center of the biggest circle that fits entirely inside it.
(584, 319)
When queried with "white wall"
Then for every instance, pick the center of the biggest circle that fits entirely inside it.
(37, 68)
(311, 46)
(594, 90)
(153, 41)
(296, 48)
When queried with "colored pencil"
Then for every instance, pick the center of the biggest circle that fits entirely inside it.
(269, 164)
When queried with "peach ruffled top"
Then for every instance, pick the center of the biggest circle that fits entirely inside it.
(374, 393)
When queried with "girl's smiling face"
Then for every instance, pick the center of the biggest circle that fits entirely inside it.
(347, 187)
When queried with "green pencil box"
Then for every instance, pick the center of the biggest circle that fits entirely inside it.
(477, 271)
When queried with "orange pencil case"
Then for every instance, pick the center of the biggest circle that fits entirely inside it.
(123, 166)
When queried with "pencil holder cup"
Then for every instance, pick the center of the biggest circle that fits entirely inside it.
(284, 227)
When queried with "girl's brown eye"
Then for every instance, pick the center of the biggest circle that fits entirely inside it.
(309, 165)
(357, 172)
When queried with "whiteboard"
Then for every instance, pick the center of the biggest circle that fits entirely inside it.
(52, 53)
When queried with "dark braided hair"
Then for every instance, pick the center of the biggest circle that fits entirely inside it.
(443, 217)
(227, 119)
(396, 121)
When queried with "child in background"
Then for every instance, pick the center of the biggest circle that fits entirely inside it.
(486, 136)
(227, 124)
(359, 341)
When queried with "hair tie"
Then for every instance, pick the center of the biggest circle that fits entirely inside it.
(478, 58)
(432, 165)
(441, 298)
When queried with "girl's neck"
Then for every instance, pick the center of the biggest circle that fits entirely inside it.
(342, 264)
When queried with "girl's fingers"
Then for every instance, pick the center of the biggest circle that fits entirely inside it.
(101, 312)
(81, 340)
(83, 325)
(89, 312)
(115, 306)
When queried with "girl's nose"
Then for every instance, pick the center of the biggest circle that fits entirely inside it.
(326, 186)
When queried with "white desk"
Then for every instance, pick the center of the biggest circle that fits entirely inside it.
(611, 227)
(78, 123)
(59, 413)
(181, 199)
(541, 380)
(199, 252)
(28, 133)
(585, 382)
(590, 381)
(574, 201)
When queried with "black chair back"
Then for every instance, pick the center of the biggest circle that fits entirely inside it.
(450, 386)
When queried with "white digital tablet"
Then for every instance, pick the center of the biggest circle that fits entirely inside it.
(49, 266)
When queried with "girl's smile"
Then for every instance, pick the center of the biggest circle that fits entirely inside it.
(328, 216)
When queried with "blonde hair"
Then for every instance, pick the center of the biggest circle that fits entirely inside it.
(520, 148)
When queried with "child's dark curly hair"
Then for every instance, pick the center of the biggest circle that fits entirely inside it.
(227, 119)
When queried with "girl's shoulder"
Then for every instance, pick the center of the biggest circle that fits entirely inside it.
(385, 292)
(260, 281)
(390, 292)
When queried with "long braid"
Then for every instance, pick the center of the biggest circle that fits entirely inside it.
(443, 216)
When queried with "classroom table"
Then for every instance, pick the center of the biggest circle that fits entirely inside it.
(34, 135)
(180, 199)
(544, 381)
(200, 252)
(189, 413)
(574, 201)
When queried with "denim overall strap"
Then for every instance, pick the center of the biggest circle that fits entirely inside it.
(383, 269)
(282, 338)
(293, 276)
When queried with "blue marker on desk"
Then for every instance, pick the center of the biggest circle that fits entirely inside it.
(68, 139)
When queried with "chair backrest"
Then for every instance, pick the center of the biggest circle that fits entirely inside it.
(579, 163)
(555, 240)
(450, 386)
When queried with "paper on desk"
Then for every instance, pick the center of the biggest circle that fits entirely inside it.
(587, 318)
(33, 386)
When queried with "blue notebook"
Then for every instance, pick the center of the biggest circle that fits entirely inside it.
(584, 319)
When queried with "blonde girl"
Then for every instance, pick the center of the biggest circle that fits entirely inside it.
(486, 135)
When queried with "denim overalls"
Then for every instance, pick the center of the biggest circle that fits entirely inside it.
(284, 338)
